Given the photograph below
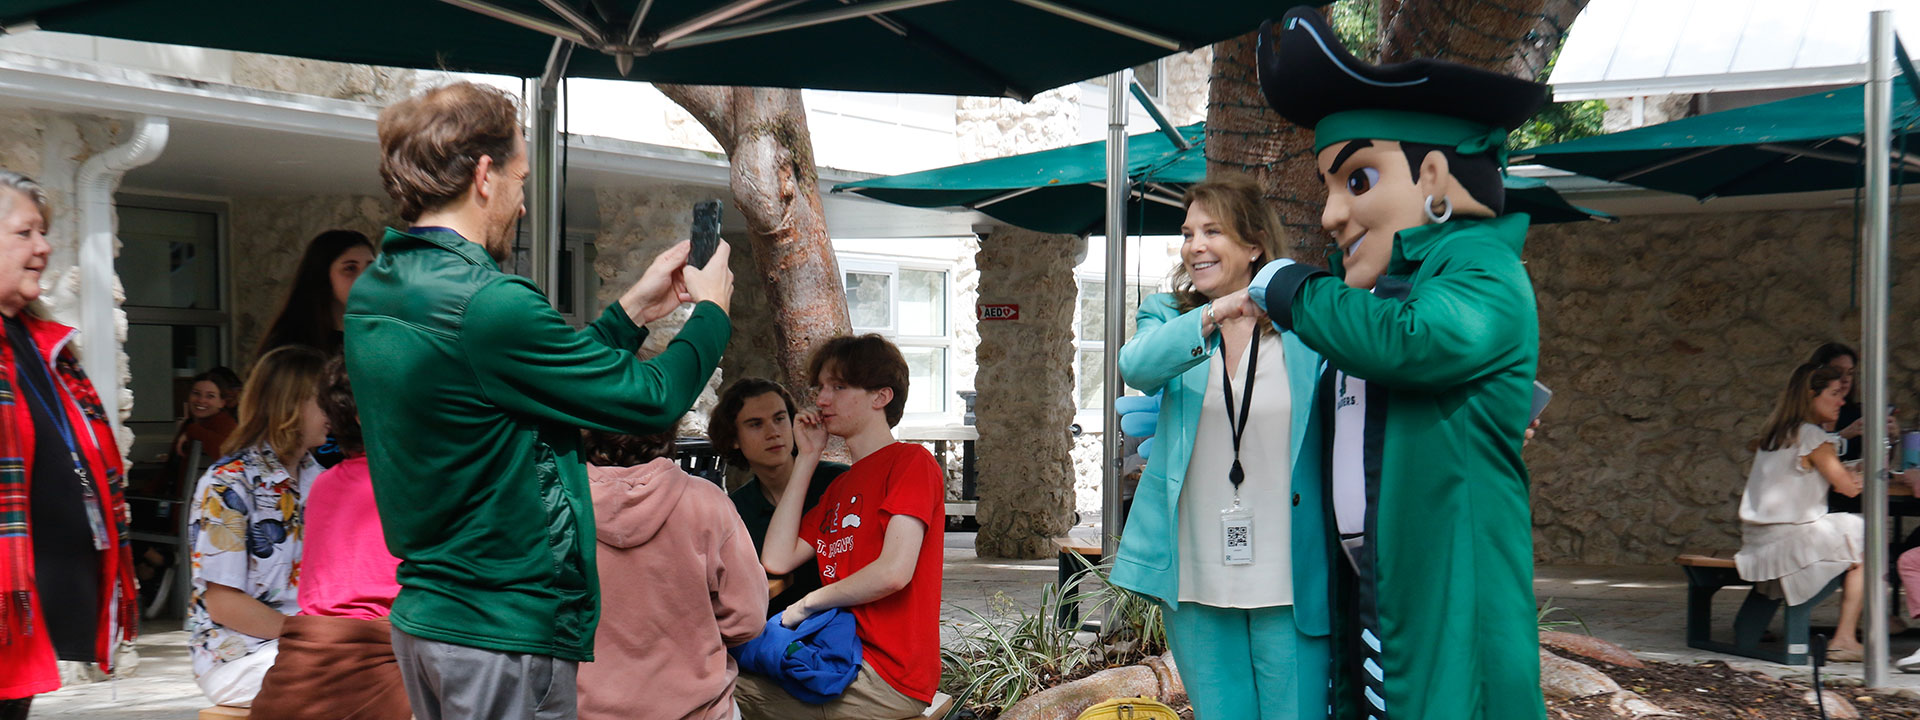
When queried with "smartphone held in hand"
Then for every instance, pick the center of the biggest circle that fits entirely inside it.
(706, 233)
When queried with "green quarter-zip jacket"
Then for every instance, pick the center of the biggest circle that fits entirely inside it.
(472, 393)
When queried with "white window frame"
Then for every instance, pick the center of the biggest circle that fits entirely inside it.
(1090, 418)
(891, 266)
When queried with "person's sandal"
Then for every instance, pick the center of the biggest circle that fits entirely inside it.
(1845, 655)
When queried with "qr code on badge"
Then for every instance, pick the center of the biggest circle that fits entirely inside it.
(1237, 536)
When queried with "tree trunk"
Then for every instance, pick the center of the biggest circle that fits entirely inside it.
(1245, 136)
(777, 190)
(1516, 37)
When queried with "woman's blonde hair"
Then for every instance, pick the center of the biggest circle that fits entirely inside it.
(1795, 406)
(1238, 205)
(271, 403)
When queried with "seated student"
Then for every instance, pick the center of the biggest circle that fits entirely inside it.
(336, 656)
(753, 424)
(246, 524)
(209, 418)
(679, 584)
(1787, 533)
(877, 535)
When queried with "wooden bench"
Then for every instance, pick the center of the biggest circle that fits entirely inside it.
(941, 705)
(221, 712)
(1707, 575)
(1070, 550)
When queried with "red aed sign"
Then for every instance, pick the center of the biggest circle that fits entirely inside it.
(999, 312)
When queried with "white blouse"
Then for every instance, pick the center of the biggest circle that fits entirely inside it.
(1267, 492)
(1783, 489)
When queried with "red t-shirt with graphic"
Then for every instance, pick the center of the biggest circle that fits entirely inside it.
(899, 633)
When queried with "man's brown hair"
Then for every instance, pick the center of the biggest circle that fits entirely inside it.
(867, 362)
(430, 143)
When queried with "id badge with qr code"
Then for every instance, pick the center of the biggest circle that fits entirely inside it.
(1236, 535)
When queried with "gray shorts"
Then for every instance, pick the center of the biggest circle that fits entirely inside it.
(457, 682)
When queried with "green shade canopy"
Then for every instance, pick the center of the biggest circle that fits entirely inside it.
(1799, 144)
(1064, 190)
(1013, 48)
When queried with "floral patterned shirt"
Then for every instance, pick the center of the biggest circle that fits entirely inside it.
(245, 526)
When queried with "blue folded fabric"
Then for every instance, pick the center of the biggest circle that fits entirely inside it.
(814, 662)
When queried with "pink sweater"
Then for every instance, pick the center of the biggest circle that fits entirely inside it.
(345, 569)
(679, 584)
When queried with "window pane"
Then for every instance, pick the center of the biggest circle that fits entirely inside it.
(926, 379)
(923, 303)
(870, 300)
(169, 258)
(1149, 77)
(1087, 385)
(1093, 311)
(163, 358)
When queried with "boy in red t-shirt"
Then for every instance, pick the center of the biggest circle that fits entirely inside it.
(877, 535)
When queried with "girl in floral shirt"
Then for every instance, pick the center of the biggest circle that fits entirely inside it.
(245, 527)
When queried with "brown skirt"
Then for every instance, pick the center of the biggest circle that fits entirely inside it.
(332, 668)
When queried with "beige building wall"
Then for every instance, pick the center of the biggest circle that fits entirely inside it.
(266, 237)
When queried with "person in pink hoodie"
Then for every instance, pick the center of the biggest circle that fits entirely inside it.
(680, 583)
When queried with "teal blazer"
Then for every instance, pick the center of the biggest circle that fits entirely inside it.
(1167, 355)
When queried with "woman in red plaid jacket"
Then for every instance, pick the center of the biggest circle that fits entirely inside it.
(66, 578)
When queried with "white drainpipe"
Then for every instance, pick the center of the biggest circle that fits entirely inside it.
(100, 350)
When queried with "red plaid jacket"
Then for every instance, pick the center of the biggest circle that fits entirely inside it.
(26, 655)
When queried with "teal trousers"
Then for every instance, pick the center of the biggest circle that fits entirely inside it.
(1253, 664)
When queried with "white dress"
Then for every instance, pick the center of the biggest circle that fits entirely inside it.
(1267, 491)
(1786, 533)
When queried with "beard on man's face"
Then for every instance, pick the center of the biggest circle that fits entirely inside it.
(499, 242)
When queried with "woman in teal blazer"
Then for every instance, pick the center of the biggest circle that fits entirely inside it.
(1243, 653)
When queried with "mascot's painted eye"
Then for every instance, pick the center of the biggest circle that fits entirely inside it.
(1362, 180)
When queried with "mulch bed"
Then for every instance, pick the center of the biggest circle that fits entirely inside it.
(1717, 691)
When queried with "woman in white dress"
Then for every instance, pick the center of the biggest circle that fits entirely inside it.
(1787, 535)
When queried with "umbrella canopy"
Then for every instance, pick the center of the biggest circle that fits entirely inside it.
(1064, 190)
(1014, 48)
(1799, 144)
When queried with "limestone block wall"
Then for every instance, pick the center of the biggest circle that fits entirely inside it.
(267, 235)
(340, 81)
(1666, 340)
(1025, 383)
(1184, 78)
(998, 127)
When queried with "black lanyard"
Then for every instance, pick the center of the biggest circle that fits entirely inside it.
(49, 400)
(1237, 422)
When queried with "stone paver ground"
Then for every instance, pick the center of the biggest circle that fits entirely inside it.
(1640, 608)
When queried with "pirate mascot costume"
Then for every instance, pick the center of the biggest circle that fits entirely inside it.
(1427, 322)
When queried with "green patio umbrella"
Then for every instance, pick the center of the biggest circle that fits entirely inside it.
(1013, 48)
(1064, 190)
(1807, 143)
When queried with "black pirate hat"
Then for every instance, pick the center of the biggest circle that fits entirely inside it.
(1312, 81)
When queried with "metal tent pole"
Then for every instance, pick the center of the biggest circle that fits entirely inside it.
(1117, 191)
(1873, 334)
(543, 199)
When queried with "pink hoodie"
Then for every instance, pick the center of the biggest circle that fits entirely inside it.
(679, 584)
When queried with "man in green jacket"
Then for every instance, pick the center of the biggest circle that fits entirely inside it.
(473, 392)
(1429, 329)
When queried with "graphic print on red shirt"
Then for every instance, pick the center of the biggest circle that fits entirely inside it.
(900, 633)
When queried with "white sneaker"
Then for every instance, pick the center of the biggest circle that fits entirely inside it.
(1909, 664)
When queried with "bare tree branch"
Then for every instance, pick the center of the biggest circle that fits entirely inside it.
(711, 106)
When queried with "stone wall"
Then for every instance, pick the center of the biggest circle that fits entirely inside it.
(1655, 110)
(267, 235)
(1025, 383)
(1666, 340)
(340, 81)
(997, 127)
(1185, 77)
